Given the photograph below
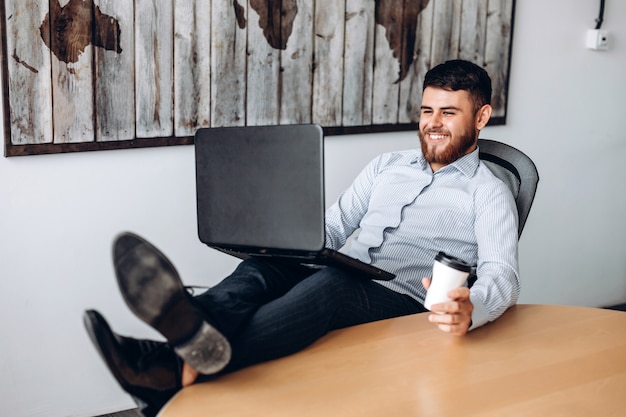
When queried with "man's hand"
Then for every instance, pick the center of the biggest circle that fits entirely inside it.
(454, 316)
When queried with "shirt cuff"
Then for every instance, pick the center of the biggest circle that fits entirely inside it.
(480, 315)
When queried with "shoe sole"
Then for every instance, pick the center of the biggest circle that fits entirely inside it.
(152, 289)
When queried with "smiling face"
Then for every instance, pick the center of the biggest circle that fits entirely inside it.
(449, 125)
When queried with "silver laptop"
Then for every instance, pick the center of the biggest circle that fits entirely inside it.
(260, 192)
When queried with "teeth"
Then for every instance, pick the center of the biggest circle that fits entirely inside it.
(437, 137)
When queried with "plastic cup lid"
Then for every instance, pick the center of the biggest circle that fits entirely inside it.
(453, 262)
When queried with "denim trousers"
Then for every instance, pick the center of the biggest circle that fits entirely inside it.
(269, 309)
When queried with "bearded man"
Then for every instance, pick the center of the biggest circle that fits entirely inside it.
(408, 206)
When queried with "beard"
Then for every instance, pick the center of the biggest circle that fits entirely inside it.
(455, 149)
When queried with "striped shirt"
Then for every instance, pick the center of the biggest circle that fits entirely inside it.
(407, 214)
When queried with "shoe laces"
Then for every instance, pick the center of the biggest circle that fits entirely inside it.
(151, 350)
(191, 289)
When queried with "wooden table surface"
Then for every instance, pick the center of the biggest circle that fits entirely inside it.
(536, 360)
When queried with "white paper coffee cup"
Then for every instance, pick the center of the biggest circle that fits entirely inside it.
(448, 273)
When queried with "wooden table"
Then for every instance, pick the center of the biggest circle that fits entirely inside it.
(536, 360)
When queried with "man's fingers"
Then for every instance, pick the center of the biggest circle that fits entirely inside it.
(445, 318)
(450, 323)
(457, 330)
(452, 307)
(453, 316)
(459, 293)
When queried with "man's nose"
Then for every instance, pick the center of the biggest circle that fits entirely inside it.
(436, 119)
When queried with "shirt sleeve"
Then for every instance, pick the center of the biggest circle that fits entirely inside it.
(344, 216)
(496, 226)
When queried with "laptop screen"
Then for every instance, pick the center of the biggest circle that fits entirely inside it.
(261, 187)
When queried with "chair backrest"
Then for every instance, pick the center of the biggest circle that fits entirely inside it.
(516, 170)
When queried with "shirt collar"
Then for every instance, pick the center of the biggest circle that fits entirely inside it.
(467, 164)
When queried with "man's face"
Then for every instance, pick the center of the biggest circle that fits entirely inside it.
(448, 127)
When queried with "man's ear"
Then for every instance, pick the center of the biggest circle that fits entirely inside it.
(482, 116)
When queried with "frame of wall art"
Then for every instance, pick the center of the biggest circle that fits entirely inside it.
(84, 75)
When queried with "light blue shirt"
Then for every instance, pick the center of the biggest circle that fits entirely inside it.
(407, 214)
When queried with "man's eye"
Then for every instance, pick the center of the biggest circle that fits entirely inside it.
(448, 113)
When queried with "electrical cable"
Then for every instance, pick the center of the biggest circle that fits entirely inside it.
(600, 18)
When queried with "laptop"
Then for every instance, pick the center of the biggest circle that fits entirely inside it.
(260, 192)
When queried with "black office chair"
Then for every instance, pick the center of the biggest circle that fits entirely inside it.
(516, 170)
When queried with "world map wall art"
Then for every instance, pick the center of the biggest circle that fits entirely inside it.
(83, 75)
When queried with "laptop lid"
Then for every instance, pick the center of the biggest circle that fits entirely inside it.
(261, 187)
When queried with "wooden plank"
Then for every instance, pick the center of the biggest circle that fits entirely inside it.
(115, 73)
(296, 76)
(455, 30)
(386, 90)
(228, 63)
(264, 46)
(399, 23)
(72, 71)
(358, 63)
(443, 27)
(29, 84)
(153, 65)
(72, 98)
(328, 71)
(411, 86)
(497, 53)
(473, 30)
(192, 66)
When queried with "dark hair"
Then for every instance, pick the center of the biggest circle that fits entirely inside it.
(461, 75)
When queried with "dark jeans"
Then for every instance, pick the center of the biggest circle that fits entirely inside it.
(268, 309)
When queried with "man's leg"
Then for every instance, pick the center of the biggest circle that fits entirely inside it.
(150, 371)
(153, 290)
(329, 299)
(230, 304)
(265, 309)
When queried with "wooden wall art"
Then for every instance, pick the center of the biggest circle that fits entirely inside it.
(84, 75)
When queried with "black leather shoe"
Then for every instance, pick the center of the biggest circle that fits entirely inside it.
(153, 290)
(148, 370)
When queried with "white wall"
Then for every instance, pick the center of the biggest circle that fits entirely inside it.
(59, 213)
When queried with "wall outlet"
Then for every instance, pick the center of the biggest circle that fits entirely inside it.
(598, 39)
